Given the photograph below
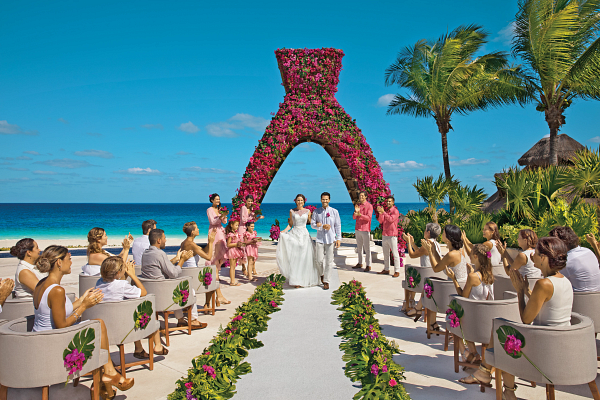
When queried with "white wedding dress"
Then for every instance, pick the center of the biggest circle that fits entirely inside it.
(296, 257)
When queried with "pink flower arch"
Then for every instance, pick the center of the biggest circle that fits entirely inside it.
(310, 113)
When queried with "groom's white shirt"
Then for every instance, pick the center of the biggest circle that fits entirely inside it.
(335, 232)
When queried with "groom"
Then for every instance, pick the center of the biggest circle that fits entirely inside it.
(326, 220)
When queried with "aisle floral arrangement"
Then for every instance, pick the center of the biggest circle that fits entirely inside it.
(215, 372)
(367, 353)
(310, 112)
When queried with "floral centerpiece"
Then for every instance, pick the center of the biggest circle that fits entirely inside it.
(141, 317)
(79, 351)
(428, 291)
(205, 277)
(512, 342)
(180, 294)
(413, 277)
(453, 314)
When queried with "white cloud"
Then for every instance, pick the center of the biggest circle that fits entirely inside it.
(394, 141)
(402, 166)
(469, 161)
(188, 127)
(595, 139)
(44, 172)
(94, 153)
(184, 153)
(18, 169)
(221, 129)
(505, 34)
(385, 100)
(547, 135)
(139, 171)
(94, 134)
(33, 153)
(12, 129)
(66, 163)
(20, 158)
(64, 121)
(306, 147)
(207, 170)
(152, 126)
(238, 122)
(250, 121)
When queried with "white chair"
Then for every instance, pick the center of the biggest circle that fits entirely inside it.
(193, 273)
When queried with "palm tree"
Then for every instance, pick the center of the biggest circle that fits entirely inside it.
(445, 77)
(433, 192)
(466, 200)
(558, 41)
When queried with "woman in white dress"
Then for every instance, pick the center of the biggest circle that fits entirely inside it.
(96, 254)
(295, 251)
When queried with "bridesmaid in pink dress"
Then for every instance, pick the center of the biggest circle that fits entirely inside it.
(246, 216)
(215, 219)
(235, 249)
(252, 242)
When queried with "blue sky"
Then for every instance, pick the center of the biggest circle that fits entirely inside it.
(165, 101)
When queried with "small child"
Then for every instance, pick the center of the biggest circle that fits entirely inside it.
(235, 249)
(252, 242)
(115, 288)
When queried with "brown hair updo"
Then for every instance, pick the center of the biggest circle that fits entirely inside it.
(94, 236)
(485, 263)
(50, 256)
(556, 251)
(529, 236)
(188, 228)
(20, 249)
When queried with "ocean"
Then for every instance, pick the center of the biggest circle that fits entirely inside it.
(73, 221)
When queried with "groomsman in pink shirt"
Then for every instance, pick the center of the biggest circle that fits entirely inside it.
(363, 213)
(389, 223)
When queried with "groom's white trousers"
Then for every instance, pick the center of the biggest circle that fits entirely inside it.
(390, 243)
(325, 259)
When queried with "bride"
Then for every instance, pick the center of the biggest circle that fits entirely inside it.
(295, 252)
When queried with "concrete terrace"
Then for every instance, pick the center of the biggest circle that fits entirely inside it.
(429, 370)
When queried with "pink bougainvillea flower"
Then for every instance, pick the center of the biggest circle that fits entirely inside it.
(393, 382)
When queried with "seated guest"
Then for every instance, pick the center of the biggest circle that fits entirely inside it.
(523, 263)
(582, 265)
(549, 303)
(432, 231)
(54, 310)
(591, 239)
(191, 230)
(6, 287)
(156, 265)
(142, 243)
(492, 235)
(27, 276)
(115, 287)
(455, 259)
(96, 254)
(479, 286)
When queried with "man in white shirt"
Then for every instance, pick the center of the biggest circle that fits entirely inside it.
(326, 220)
(582, 265)
(142, 243)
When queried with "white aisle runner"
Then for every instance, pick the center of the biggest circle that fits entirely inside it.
(301, 358)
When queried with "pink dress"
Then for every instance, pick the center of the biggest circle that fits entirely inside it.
(235, 252)
(251, 249)
(215, 220)
(245, 216)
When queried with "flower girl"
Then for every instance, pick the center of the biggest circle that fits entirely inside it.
(235, 249)
(252, 242)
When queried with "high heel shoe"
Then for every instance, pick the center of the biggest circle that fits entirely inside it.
(114, 381)
(107, 392)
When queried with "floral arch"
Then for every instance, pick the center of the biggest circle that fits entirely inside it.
(310, 113)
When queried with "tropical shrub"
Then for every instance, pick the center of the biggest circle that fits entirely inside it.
(578, 215)
(433, 192)
(583, 178)
(473, 226)
(466, 200)
(369, 355)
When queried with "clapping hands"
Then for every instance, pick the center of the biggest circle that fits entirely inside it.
(591, 239)
(6, 287)
(211, 235)
(426, 244)
(520, 283)
(501, 247)
(129, 268)
(380, 210)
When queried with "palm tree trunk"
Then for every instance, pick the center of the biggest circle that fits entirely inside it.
(555, 119)
(444, 128)
(553, 146)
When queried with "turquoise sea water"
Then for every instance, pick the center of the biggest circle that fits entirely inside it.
(73, 221)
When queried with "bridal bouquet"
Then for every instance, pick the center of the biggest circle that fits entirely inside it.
(223, 210)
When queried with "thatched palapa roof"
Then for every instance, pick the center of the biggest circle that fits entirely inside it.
(539, 154)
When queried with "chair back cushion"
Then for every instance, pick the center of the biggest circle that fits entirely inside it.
(35, 359)
(17, 308)
(120, 318)
(195, 281)
(479, 315)
(502, 283)
(163, 291)
(588, 304)
(442, 290)
(565, 354)
(87, 282)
